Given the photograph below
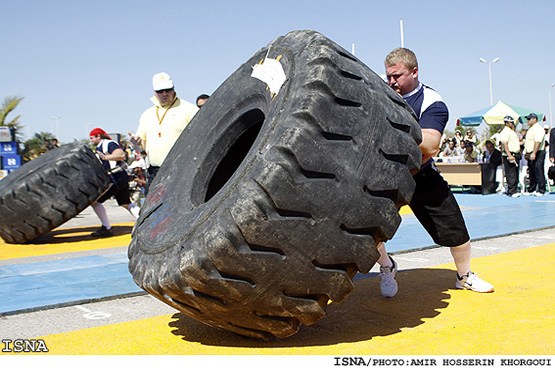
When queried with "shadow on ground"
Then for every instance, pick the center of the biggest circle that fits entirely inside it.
(363, 315)
(76, 234)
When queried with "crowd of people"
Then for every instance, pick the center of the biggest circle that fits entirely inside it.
(513, 161)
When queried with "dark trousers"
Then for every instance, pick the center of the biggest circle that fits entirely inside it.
(511, 174)
(489, 185)
(435, 206)
(536, 173)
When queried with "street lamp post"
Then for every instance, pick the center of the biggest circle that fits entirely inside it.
(495, 60)
(402, 33)
(550, 110)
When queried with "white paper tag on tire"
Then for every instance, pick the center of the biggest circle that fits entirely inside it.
(271, 73)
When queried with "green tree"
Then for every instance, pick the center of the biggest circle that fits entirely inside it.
(10, 104)
(36, 145)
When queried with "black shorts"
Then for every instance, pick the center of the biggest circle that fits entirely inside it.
(119, 190)
(436, 208)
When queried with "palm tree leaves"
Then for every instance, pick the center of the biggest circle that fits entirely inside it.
(9, 104)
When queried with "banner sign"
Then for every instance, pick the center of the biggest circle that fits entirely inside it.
(11, 162)
(8, 148)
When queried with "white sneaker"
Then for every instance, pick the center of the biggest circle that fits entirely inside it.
(388, 284)
(516, 195)
(538, 194)
(471, 281)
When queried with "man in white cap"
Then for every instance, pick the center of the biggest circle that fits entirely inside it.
(161, 124)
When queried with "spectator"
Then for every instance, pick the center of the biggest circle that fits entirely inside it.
(161, 124)
(52, 144)
(534, 153)
(492, 159)
(552, 146)
(462, 145)
(137, 183)
(112, 157)
(470, 155)
(433, 203)
(452, 150)
(458, 138)
(470, 136)
(444, 144)
(492, 155)
(523, 165)
(201, 99)
(495, 138)
(551, 169)
(511, 155)
(547, 148)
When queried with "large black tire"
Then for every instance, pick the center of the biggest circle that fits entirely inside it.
(48, 191)
(267, 206)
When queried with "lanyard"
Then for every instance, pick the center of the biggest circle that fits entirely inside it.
(163, 116)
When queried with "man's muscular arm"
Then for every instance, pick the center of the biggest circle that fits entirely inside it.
(117, 155)
(430, 143)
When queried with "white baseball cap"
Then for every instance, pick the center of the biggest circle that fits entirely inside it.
(162, 81)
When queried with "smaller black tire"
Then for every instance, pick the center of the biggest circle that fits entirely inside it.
(48, 191)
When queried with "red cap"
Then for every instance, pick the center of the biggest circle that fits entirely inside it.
(99, 131)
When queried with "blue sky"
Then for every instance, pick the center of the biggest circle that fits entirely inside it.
(90, 63)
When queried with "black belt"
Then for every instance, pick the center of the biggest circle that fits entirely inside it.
(114, 170)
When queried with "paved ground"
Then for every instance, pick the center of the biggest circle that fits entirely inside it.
(427, 317)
